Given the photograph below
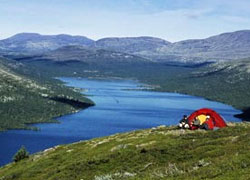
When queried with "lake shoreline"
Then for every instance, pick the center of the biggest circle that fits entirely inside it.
(244, 115)
(120, 107)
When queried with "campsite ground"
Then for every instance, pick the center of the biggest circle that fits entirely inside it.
(157, 153)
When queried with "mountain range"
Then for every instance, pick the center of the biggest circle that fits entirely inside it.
(226, 46)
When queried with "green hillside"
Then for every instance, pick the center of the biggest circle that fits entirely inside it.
(226, 82)
(24, 101)
(157, 153)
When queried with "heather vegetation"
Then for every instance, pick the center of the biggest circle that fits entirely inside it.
(157, 153)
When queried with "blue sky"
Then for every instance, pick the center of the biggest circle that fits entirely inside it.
(173, 20)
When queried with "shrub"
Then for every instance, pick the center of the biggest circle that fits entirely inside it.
(22, 153)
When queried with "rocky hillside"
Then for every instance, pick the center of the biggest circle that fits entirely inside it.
(157, 153)
(240, 69)
(24, 100)
(225, 46)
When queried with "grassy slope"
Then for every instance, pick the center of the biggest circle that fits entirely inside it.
(24, 100)
(157, 153)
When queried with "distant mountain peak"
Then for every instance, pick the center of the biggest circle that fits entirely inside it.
(24, 36)
(37, 43)
(36, 35)
(134, 38)
(132, 45)
(246, 33)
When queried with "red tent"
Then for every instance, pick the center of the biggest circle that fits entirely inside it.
(213, 119)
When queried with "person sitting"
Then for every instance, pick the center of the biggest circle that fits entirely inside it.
(196, 122)
(183, 122)
(200, 120)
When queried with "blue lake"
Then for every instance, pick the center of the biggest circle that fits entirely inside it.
(121, 106)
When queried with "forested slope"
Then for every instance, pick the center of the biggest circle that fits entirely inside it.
(24, 100)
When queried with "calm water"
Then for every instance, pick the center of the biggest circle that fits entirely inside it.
(117, 110)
